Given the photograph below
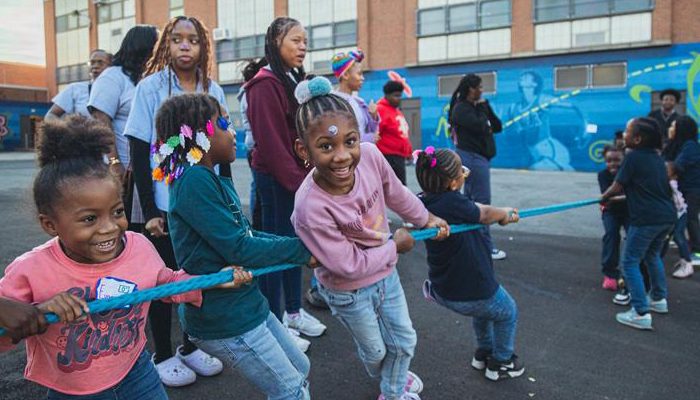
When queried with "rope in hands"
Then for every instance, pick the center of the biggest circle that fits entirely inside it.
(211, 280)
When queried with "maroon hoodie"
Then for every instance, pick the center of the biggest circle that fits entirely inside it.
(271, 118)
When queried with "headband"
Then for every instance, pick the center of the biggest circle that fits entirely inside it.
(341, 62)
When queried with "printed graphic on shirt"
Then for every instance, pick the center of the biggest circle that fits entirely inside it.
(100, 335)
(366, 219)
(403, 125)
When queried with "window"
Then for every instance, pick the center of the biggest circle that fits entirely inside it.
(72, 73)
(590, 76)
(114, 10)
(74, 20)
(177, 8)
(240, 48)
(557, 10)
(333, 35)
(481, 14)
(447, 84)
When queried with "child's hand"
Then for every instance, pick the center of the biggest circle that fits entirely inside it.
(21, 319)
(511, 216)
(404, 240)
(68, 307)
(313, 263)
(240, 277)
(441, 224)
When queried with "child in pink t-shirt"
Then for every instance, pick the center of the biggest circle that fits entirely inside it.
(340, 215)
(90, 257)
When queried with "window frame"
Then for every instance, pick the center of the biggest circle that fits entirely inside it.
(75, 13)
(589, 75)
(477, 4)
(480, 74)
(83, 73)
(651, 5)
(108, 6)
(334, 41)
(235, 48)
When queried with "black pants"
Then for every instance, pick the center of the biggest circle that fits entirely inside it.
(160, 315)
(398, 164)
(693, 201)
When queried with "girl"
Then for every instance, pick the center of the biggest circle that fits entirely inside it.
(100, 356)
(278, 171)
(340, 214)
(181, 63)
(652, 215)
(686, 164)
(208, 227)
(347, 68)
(461, 275)
(684, 266)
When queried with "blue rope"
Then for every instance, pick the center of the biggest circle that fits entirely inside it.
(210, 280)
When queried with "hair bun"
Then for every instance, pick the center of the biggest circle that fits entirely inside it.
(307, 90)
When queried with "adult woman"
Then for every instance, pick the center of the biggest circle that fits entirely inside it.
(474, 123)
(278, 171)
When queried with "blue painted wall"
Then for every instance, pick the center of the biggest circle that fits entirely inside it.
(10, 113)
(547, 128)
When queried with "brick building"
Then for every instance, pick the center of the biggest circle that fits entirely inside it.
(563, 75)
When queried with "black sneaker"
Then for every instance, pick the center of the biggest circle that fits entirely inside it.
(315, 299)
(622, 297)
(481, 357)
(496, 370)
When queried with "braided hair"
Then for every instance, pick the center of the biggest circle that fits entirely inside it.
(276, 32)
(436, 169)
(69, 150)
(318, 103)
(161, 53)
(650, 132)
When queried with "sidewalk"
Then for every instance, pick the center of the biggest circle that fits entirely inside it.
(17, 155)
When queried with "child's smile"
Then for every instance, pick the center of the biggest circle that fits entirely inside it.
(334, 149)
(89, 221)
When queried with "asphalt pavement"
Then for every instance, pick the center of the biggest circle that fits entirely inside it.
(567, 335)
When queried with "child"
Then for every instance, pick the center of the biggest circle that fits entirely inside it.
(686, 164)
(651, 218)
(614, 216)
(91, 257)
(342, 219)
(684, 267)
(208, 228)
(347, 68)
(180, 63)
(461, 275)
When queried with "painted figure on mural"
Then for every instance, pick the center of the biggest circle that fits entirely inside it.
(533, 130)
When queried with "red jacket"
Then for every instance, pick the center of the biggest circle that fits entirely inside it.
(271, 119)
(393, 131)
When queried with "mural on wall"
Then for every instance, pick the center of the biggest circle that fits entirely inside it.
(11, 115)
(546, 129)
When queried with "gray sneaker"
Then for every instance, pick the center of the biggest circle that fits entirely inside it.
(658, 306)
(497, 254)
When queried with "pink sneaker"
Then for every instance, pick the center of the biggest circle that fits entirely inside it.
(609, 284)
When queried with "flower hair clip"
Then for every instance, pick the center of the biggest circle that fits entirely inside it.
(173, 154)
(430, 152)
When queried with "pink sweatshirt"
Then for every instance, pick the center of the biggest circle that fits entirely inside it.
(87, 357)
(349, 234)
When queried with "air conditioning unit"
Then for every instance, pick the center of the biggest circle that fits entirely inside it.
(222, 34)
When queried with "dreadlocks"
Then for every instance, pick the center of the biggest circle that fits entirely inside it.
(276, 32)
(161, 53)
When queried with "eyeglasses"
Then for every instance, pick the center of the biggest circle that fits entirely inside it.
(465, 172)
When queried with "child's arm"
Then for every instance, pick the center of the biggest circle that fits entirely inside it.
(503, 215)
(613, 190)
(345, 258)
(20, 319)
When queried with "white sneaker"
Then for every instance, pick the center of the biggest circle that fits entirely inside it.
(301, 343)
(684, 270)
(304, 323)
(413, 384)
(174, 373)
(405, 396)
(497, 254)
(201, 363)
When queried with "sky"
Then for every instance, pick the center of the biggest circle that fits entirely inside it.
(22, 32)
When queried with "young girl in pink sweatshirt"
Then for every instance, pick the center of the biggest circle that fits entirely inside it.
(340, 215)
(91, 256)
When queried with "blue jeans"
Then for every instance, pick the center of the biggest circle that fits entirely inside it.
(679, 237)
(644, 243)
(610, 257)
(478, 185)
(142, 382)
(277, 204)
(377, 318)
(268, 357)
(494, 320)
